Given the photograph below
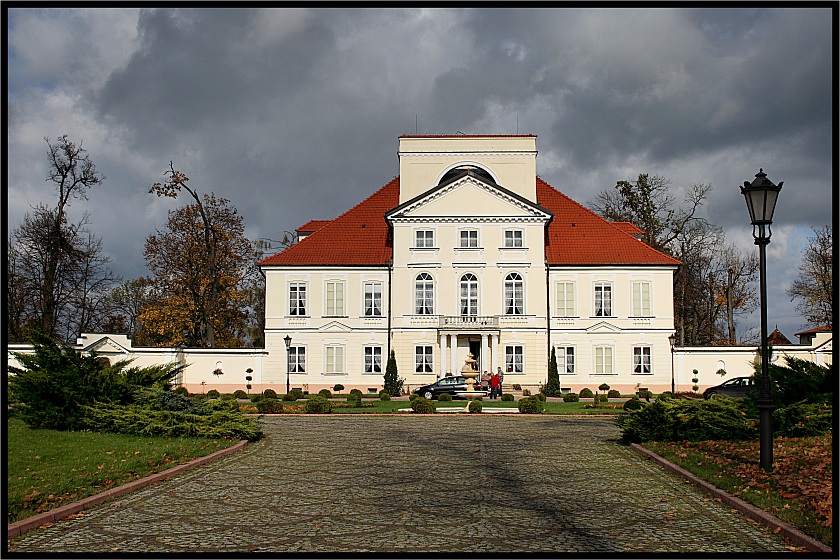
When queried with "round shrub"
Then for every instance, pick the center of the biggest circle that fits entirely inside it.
(213, 394)
(530, 405)
(540, 396)
(317, 405)
(507, 397)
(586, 393)
(445, 397)
(338, 387)
(633, 404)
(270, 406)
(603, 387)
(293, 395)
(355, 392)
(257, 398)
(422, 405)
(571, 397)
(413, 396)
(181, 390)
(644, 394)
(384, 395)
(270, 394)
(614, 394)
(600, 398)
(325, 393)
(355, 399)
(475, 406)
(240, 394)
(227, 397)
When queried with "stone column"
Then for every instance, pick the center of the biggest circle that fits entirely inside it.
(453, 357)
(443, 339)
(485, 363)
(494, 352)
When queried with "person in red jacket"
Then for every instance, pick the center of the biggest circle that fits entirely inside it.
(495, 386)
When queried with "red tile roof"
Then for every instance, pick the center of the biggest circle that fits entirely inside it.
(312, 225)
(776, 337)
(357, 237)
(578, 236)
(815, 330)
(629, 227)
(575, 236)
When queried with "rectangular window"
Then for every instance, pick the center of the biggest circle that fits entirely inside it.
(603, 359)
(373, 300)
(603, 300)
(641, 360)
(335, 359)
(641, 299)
(424, 238)
(513, 238)
(514, 359)
(297, 359)
(565, 359)
(565, 299)
(423, 359)
(297, 298)
(373, 359)
(335, 299)
(469, 238)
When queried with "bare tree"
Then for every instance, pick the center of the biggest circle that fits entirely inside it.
(814, 284)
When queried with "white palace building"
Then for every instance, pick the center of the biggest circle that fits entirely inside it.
(466, 251)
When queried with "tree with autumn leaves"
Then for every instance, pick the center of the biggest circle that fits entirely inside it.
(203, 270)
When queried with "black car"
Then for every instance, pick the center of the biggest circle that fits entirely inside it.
(451, 385)
(737, 387)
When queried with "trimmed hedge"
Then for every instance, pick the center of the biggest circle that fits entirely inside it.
(270, 394)
(571, 397)
(586, 393)
(476, 406)
(325, 393)
(530, 405)
(270, 406)
(384, 395)
(614, 394)
(317, 405)
(507, 397)
(213, 394)
(240, 394)
(444, 397)
(422, 405)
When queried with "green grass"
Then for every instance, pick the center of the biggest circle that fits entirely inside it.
(48, 468)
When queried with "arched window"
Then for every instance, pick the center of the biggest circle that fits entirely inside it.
(469, 294)
(424, 294)
(514, 295)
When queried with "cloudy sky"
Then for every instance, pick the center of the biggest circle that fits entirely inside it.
(294, 114)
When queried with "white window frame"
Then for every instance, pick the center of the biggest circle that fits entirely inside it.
(424, 304)
(604, 362)
(603, 305)
(564, 293)
(334, 359)
(641, 289)
(514, 239)
(514, 358)
(334, 298)
(468, 239)
(563, 355)
(470, 282)
(297, 299)
(373, 360)
(424, 238)
(296, 359)
(510, 302)
(372, 299)
(642, 359)
(424, 358)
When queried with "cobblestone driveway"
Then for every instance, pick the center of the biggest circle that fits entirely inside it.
(341, 484)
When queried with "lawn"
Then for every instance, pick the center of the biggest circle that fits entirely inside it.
(48, 468)
(798, 490)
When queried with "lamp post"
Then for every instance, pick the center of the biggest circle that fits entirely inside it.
(288, 340)
(672, 339)
(761, 197)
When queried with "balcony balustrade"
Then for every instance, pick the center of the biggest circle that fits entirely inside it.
(469, 322)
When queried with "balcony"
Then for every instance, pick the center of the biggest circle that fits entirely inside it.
(469, 322)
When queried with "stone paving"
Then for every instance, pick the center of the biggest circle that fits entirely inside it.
(446, 484)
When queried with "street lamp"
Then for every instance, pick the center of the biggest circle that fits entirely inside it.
(672, 339)
(288, 341)
(761, 197)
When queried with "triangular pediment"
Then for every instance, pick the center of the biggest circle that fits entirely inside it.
(105, 345)
(335, 326)
(470, 197)
(603, 326)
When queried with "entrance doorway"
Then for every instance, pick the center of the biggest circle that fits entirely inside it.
(475, 350)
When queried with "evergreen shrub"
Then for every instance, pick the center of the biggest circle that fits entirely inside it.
(507, 397)
(240, 394)
(355, 399)
(213, 394)
(413, 396)
(444, 397)
(317, 405)
(614, 394)
(803, 419)
(422, 405)
(181, 390)
(257, 398)
(227, 397)
(644, 394)
(586, 393)
(475, 406)
(325, 393)
(384, 395)
(338, 387)
(540, 396)
(270, 406)
(571, 397)
(632, 404)
(270, 394)
(559, 393)
(531, 405)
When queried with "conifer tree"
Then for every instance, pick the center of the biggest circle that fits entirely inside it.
(393, 383)
(553, 384)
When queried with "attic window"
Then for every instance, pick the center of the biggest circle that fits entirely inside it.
(462, 169)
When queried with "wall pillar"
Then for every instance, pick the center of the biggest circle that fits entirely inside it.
(453, 357)
(485, 362)
(443, 340)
